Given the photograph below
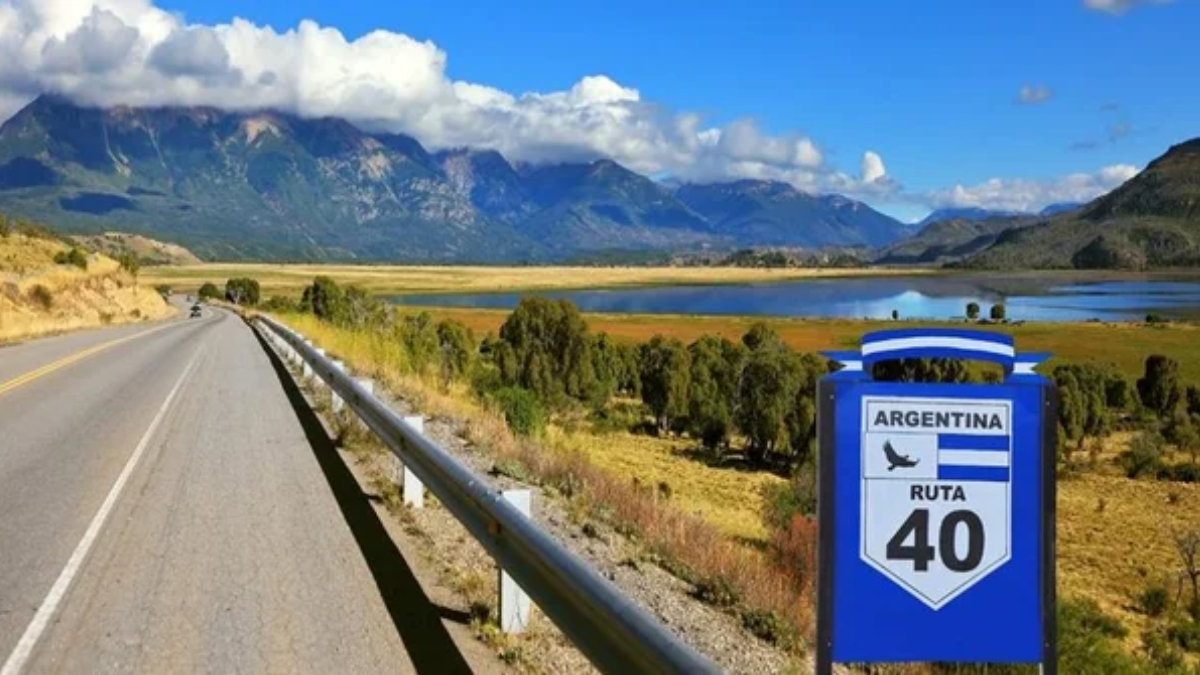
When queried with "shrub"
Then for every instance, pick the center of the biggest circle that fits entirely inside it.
(242, 291)
(771, 628)
(797, 497)
(1156, 319)
(521, 409)
(1144, 456)
(209, 291)
(130, 263)
(998, 312)
(1161, 651)
(794, 549)
(163, 290)
(419, 337)
(456, 345)
(1186, 634)
(74, 257)
(972, 310)
(717, 591)
(278, 303)
(42, 296)
(1185, 472)
(1153, 601)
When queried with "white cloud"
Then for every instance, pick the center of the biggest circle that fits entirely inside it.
(1033, 94)
(1119, 6)
(1019, 194)
(108, 52)
(872, 167)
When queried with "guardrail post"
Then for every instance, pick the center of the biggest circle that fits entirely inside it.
(411, 489)
(514, 604)
(321, 381)
(335, 401)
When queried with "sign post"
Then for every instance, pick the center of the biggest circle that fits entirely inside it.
(936, 508)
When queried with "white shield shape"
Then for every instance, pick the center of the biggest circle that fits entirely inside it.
(936, 492)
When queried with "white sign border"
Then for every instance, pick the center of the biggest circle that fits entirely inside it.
(862, 530)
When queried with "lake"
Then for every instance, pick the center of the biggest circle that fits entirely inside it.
(1027, 298)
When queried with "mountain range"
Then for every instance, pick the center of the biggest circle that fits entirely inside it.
(1151, 221)
(975, 213)
(271, 186)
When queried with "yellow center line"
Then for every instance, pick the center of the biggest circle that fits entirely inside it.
(73, 358)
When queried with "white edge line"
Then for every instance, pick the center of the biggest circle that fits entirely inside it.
(20, 656)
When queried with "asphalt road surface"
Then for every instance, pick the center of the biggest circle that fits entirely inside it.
(164, 508)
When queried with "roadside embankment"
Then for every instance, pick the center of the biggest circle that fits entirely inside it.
(39, 296)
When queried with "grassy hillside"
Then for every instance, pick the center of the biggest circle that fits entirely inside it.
(39, 296)
(148, 251)
(1152, 221)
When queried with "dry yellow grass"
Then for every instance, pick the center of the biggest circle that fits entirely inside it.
(38, 297)
(1115, 538)
(729, 499)
(397, 279)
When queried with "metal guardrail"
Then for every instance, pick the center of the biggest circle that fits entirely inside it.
(615, 634)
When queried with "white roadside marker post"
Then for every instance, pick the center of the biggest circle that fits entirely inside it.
(335, 400)
(411, 489)
(514, 603)
(321, 380)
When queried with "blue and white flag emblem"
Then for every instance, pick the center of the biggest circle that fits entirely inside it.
(968, 457)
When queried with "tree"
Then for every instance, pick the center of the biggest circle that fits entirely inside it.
(716, 365)
(760, 336)
(1159, 388)
(895, 315)
(1119, 393)
(766, 394)
(1187, 542)
(802, 417)
(664, 375)
(1083, 409)
(998, 312)
(209, 291)
(242, 291)
(1193, 400)
(616, 368)
(551, 351)
(972, 310)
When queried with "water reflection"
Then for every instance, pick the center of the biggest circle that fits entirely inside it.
(942, 297)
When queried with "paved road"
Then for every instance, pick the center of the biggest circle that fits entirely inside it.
(164, 508)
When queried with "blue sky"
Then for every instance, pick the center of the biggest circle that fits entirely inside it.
(932, 88)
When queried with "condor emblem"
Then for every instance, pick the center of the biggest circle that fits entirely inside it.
(936, 508)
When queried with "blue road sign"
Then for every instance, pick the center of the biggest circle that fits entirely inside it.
(936, 507)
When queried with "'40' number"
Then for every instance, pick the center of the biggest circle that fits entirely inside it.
(921, 552)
